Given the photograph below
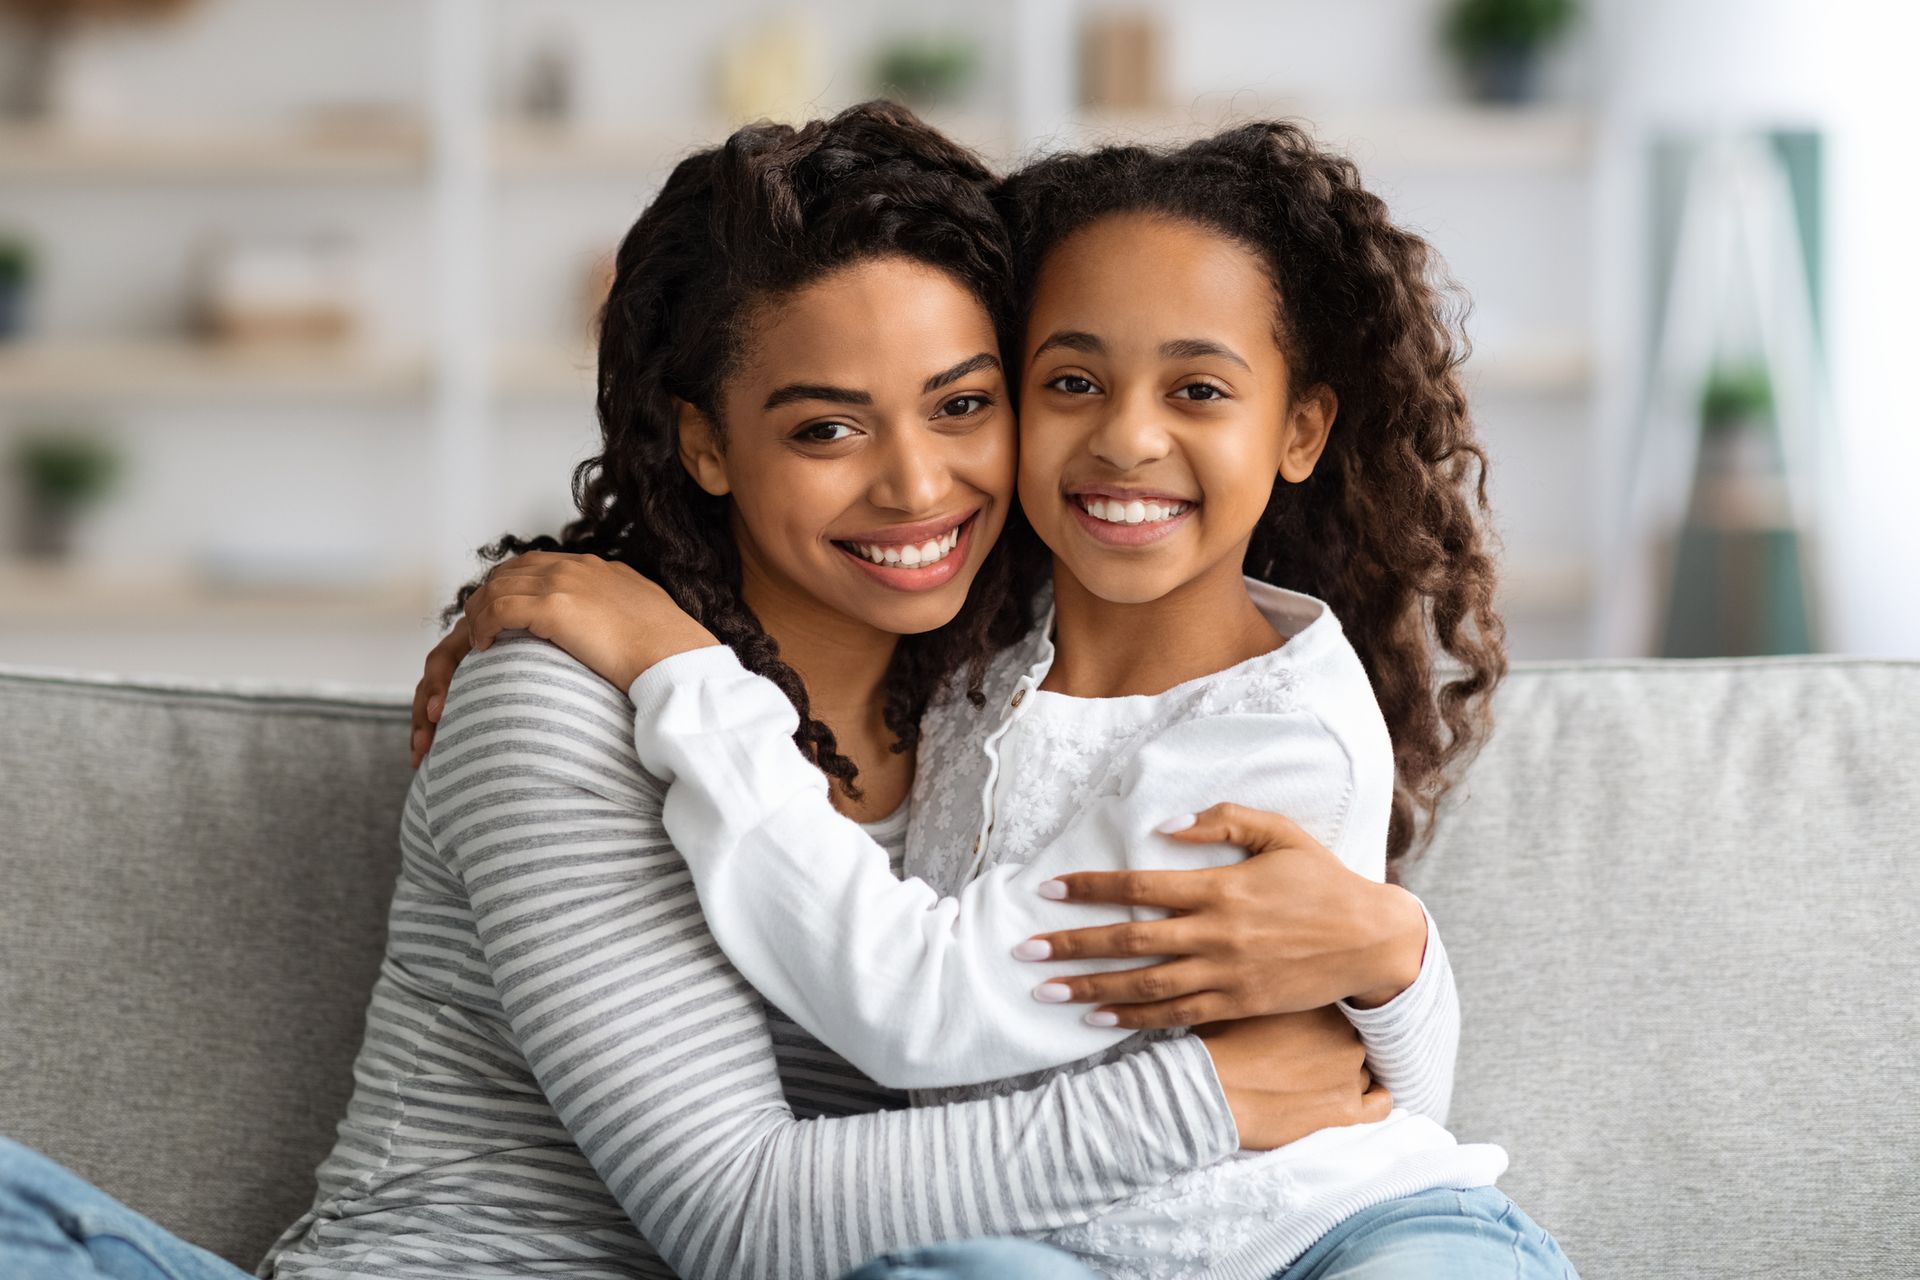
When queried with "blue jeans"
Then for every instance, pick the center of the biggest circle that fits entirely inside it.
(1434, 1235)
(55, 1225)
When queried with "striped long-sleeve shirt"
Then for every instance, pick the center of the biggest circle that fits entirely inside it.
(563, 1075)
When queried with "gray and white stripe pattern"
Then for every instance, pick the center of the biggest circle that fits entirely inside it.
(557, 1053)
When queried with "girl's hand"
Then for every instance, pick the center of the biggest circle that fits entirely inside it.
(1292, 1074)
(1290, 928)
(430, 695)
(601, 611)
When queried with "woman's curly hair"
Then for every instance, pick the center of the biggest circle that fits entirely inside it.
(1390, 530)
(766, 213)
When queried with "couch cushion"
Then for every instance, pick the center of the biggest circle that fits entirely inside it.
(1681, 903)
(194, 907)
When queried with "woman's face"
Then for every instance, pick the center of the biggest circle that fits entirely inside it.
(868, 446)
(1155, 413)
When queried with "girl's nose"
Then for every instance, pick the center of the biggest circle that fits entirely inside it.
(1131, 434)
(914, 476)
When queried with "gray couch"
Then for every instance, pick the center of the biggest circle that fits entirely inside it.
(1680, 899)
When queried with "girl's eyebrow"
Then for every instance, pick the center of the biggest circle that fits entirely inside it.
(1073, 340)
(1191, 348)
(1177, 349)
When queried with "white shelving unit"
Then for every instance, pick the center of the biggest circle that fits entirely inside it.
(473, 393)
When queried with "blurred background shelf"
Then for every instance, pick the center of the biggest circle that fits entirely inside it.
(1438, 137)
(29, 151)
(31, 593)
(180, 369)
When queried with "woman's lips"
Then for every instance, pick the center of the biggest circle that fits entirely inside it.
(921, 576)
(1128, 535)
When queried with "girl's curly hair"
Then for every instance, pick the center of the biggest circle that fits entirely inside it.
(766, 213)
(1390, 530)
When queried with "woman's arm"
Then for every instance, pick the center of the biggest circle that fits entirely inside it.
(655, 1053)
(801, 898)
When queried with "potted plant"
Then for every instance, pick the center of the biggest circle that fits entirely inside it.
(16, 274)
(1499, 41)
(928, 72)
(62, 474)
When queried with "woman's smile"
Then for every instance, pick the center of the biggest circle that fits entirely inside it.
(913, 557)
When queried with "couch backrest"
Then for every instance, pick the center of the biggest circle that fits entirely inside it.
(1679, 898)
(193, 897)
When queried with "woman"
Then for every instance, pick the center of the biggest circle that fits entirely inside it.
(556, 1053)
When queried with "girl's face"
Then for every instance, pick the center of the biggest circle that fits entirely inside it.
(868, 446)
(1155, 412)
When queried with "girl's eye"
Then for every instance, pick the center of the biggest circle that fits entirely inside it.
(962, 406)
(1073, 384)
(821, 432)
(1202, 391)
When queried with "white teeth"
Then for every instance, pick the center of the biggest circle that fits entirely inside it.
(910, 556)
(1114, 511)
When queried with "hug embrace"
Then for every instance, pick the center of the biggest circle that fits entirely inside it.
(934, 812)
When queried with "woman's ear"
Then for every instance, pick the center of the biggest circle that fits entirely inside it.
(1309, 422)
(700, 451)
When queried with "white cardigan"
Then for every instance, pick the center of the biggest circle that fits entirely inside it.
(922, 991)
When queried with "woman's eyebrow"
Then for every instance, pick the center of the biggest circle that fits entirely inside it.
(1192, 348)
(815, 391)
(972, 364)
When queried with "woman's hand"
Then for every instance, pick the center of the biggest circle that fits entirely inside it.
(1291, 1074)
(602, 612)
(1290, 928)
(430, 695)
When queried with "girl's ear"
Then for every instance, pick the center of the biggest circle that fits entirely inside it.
(1308, 423)
(700, 451)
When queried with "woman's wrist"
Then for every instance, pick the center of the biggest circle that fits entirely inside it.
(1399, 947)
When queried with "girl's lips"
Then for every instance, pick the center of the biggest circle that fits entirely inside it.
(1128, 535)
(924, 577)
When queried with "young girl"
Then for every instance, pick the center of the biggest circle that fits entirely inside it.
(1199, 325)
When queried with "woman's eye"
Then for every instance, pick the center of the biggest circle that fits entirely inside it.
(1073, 384)
(1201, 391)
(822, 433)
(961, 406)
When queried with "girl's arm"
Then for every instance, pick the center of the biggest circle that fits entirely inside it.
(802, 899)
(655, 1053)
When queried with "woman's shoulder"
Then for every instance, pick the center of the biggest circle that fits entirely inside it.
(524, 705)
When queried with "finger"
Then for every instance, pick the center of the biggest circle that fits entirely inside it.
(1254, 830)
(1130, 986)
(1375, 1104)
(513, 613)
(1177, 936)
(1188, 1011)
(1175, 890)
(502, 606)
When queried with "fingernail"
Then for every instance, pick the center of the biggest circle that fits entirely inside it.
(1053, 993)
(433, 707)
(1055, 889)
(1033, 949)
(1101, 1018)
(1172, 825)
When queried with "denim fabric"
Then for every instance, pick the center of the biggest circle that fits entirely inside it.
(55, 1225)
(1436, 1235)
(975, 1260)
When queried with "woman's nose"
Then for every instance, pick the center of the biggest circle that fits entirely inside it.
(914, 477)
